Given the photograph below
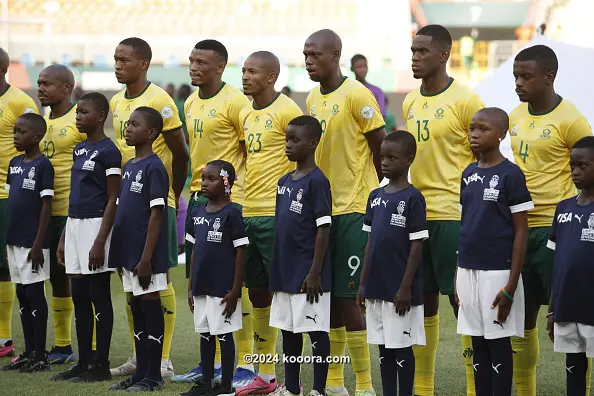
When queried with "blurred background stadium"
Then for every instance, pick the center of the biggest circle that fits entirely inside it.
(84, 33)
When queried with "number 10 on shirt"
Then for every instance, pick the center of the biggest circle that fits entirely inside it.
(422, 130)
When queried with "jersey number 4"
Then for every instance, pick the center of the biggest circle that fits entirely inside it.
(422, 130)
(523, 150)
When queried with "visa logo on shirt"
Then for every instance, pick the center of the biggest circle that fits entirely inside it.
(564, 217)
(200, 221)
(282, 189)
(16, 170)
(378, 201)
(473, 178)
(82, 151)
(127, 174)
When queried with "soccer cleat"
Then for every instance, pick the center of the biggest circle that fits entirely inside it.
(314, 392)
(146, 385)
(7, 349)
(283, 391)
(16, 363)
(123, 385)
(364, 392)
(166, 369)
(35, 366)
(96, 373)
(61, 355)
(128, 368)
(242, 377)
(200, 388)
(77, 370)
(257, 387)
(196, 374)
(337, 391)
(219, 390)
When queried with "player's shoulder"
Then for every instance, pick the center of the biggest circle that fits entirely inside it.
(191, 99)
(284, 178)
(155, 91)
(567, 203)
(354, 88)
(319, 178)
(285, 108)
(17, 159)
(375, 193)
(569, 110)
(45, 162)
(80, 145)
(286, 103)
(412, 96)
(469, 169)
(18, 96)
(231, 93)
(415, 194)
(232, 209)
(512, 169)
(115, 99)
(461, 93)
(155, 163)
(110, 147)
(520, 111)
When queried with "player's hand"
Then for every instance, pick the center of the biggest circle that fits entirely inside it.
(360, 301)
(312, 286)
(35, 256)
(60, 252)
(96, 256)
(504, 304)
(190, 299)
(551, 328)
(402, 300)
(144, 272)
(230, 302)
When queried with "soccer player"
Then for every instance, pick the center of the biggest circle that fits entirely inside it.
(265, 123)
(55, 84)
(543, 130)
(570, 319)
(31, 177)
(301, 268)
(94, 188)
(438, 115)
(216, 276)
(391, 290)
(348, 154)
(360, 69)
(140, 246)
(216, 132)
(494, 202)
(132, 60)
(13, 104)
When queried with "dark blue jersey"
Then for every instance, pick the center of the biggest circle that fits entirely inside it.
(27, 182)
(302, 206)
(93, 163)
(572, 238)
(488, 198)
(145, 185)
(393, 220)
(215, 237)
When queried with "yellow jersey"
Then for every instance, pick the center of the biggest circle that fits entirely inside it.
(122, 106)
(13, 104)
(440, 124)
(346, 114)
(215, 132)
(58, 146)
(541, 144)
(265, 130)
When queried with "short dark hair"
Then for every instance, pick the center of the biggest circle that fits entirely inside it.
(404, 138)
(587, 142)
(356, 58)
(437, 33)
(153, 118)
(227, 166)
(98, 101)
(544, 56)
(213, 45)
(37, 122)
(140, 47)
(311, 125)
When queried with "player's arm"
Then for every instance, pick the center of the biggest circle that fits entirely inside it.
(577, 130)
(235, 114)
(176, 142)
(240, 241)
(367, 228)
(367, 114)
(192, 240)
(374, 140)
(552, 244)
(46, 193)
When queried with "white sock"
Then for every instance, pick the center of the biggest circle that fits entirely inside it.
(248, 367)
(217, 366)
(3, 341)
(267, 377)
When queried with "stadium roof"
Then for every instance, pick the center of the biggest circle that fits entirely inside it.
(477, 14)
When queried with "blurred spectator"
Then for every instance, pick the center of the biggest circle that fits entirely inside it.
(467, 51)
(77, 93)
(183, 92)
(286, 91)
(359, 67)
(170, 90)
(389, 119)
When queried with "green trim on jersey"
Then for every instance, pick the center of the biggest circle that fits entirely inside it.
(449, 84)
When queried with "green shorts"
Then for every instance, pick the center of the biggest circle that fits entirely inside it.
(3, 221)
(172, 236)
(440, 256)
(260, 231)
(537, 272)
(347, 244)
(56, 227)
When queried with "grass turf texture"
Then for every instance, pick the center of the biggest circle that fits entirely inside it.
(449, 377)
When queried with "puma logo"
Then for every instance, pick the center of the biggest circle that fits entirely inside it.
(495, 322)
(569, 369)
(313, 345)
(33, 313)
(222, 338)
(97, 316)
(579, 218)
(245, 313)
(313, 318)
(404, 332)
(474, 366)
(228, 321)
(166, 311)
(400, 364)
(150, 337)
(205, 337)
(137, 336)
(21, 311)
(496, 368)
(257, 338)
(380, 359)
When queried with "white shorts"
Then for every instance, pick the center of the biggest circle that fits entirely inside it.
(386, 327)
(574, 338)
(131, 285)
(292, 312)
(79, 239)
(208, 316)
(21, 270)
(476, 290)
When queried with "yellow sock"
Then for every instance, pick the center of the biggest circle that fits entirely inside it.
(130, 321)
(425, 358)
(244, 338)
(169, 311)
(217, 359)
(338, 340)
(588, 376)
(63, 309)
(467, 353)
(265, 337)
(7, 294)
(526, 352)
(359, 353)
(94, 331)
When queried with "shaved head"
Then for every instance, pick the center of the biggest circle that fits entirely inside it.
(327, 39)
(269, 61)
(495, 115)
(4, 59)
(60, 73)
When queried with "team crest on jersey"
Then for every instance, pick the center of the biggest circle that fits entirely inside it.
(89, 164)
(425, 106)
(588, 233)
(514, 130)
(491, 193)
(367, 112)
(212, 113)
(268, 124)
(546, 134)
(335, 109)
(166, 112)
(313, 111)
(62, 132)
(297, 206)
(215, 235)
(136, 186)
(411, 114)
(439, 113)
(29, 182)
(398, 219)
